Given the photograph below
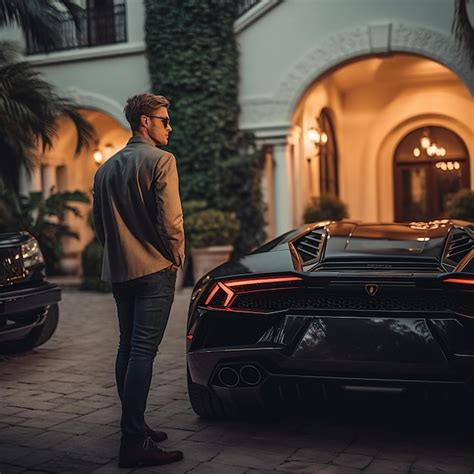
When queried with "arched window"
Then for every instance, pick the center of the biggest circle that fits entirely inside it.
(328, 157)
(431, 164)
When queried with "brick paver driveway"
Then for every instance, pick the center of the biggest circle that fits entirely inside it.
(59, 413)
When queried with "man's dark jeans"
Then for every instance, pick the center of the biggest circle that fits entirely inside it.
(143, 307)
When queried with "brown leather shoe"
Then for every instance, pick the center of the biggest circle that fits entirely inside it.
(156, 436)
(135, 453)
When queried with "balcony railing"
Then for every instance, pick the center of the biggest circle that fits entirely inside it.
(99, 26)
(244, 6)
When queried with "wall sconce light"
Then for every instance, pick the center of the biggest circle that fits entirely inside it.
(102, 155)
(98, 157)
(317, 137)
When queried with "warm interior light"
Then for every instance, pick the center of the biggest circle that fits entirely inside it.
(448, 165)
(324, 138)
(431, 150)
(314, 135)
(416, 152)
(98, 157)
(425, 142)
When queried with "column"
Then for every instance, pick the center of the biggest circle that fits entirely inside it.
(23, 182)
(297, 174)
(49, 180)
(35, 180)
(267, 192)
(282, 197)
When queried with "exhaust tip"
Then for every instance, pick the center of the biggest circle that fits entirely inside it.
(228, 377)
(250, 374)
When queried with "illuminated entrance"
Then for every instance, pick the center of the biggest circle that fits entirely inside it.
(431, 164)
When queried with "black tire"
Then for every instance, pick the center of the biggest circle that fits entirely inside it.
(43, 333)
(204, 403)
(37, 336)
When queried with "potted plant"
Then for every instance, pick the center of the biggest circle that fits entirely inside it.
(45, 218)
(325, 207)
(461, 205)
(210, 234)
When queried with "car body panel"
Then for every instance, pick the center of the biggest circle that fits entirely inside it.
(25, 295)
(346, 303)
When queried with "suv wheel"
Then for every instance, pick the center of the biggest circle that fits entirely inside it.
(37, 336)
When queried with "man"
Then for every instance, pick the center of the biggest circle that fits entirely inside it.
(138, 219)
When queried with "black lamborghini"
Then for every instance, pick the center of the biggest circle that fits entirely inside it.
(360, 307)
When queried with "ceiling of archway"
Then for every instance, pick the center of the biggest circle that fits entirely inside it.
(108, 130)
(396, 68)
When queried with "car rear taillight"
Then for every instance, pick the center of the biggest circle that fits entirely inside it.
(224, 293)
(459, 280)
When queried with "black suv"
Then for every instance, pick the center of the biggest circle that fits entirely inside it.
(28, 303)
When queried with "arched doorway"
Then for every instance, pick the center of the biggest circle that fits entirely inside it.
(364, 110)
(328, 173)
(61, 171)
(430, 165)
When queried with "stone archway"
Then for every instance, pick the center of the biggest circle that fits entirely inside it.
(60, 170)
(94, 101)
(272, 114)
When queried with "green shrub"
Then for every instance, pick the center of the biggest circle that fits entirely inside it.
(461, 205)
(212, 227)
(43, 218)
(243, 175)
(193, 60)
(192, 207)
(325, 207)
(198, 70)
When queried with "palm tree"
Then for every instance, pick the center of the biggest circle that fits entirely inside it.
(29, 111)
(29, 105)
(39, 19)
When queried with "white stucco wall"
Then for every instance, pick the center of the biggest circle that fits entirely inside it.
(100, 77)
(299, 40)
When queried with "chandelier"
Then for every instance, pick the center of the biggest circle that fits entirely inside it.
(428, 147)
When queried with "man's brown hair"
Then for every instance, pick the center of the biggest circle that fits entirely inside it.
(142, 104)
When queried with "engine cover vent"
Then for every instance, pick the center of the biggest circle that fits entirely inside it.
(309, 245)
(459, 246)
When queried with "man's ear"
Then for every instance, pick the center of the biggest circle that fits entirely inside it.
(143, 122)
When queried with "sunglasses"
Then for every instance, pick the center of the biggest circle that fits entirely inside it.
(164, 120)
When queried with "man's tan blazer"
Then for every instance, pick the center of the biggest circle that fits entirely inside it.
(137, 212)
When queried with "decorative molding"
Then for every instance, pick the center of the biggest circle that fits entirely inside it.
(434, 45)
(84, 54)
(94, 101)
(259, 113)
(294, 135)
(379, 37)
(254, 14)
(273, 134)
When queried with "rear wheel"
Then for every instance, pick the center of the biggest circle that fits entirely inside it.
(204, 402)
(37, 336)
